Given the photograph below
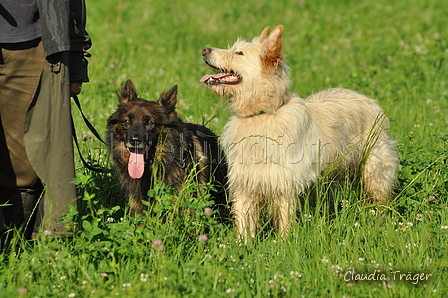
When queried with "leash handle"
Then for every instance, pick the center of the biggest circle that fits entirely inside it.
(92, 129)
(95, 132)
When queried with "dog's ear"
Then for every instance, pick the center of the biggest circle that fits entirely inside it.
(127, 92)
(168, 100)
(272, 52)
(263, 35)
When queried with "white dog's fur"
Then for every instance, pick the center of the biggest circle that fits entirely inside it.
(278, 144)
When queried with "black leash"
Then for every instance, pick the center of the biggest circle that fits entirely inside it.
(94, 131)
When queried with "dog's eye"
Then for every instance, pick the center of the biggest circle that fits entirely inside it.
(126, 121)
(239, 53)
(150, 122)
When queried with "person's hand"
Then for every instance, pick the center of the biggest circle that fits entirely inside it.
(75, 88)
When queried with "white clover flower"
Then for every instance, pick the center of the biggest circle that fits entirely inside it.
(143, 277)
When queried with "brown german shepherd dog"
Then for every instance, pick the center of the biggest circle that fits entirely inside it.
(144, 134)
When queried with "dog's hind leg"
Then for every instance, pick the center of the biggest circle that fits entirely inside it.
(245, 210)
(380, 169)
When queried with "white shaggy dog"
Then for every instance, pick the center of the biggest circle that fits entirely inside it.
(278, 144)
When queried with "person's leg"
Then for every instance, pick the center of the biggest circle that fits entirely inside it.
(49, 144)
(20, 68)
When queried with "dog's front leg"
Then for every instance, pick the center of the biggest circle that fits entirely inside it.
(246, 214)
(282, 210)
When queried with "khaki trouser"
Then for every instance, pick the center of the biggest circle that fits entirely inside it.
(35, 116)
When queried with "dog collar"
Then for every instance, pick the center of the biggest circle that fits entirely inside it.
(256, 114)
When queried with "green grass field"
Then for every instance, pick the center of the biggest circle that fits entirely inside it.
(393, 51)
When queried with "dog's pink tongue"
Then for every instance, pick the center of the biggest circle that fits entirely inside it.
(215, 76)
(136, 165)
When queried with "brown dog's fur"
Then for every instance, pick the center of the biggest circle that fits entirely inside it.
(278, 144)
(151, 133)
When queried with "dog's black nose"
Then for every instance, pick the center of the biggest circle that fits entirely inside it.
(206, 51)
(135, 140)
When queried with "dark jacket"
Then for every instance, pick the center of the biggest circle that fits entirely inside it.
(68, 33)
